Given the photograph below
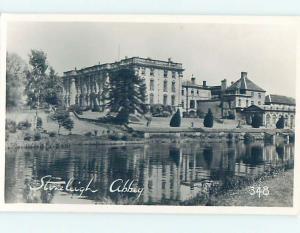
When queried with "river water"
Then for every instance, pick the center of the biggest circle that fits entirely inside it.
(161, 174)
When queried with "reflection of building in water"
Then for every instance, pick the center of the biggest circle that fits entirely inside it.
(168, 173)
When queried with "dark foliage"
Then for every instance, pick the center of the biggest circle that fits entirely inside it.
(280, 123)
(176, 119)
(208, 119)
(256, 121)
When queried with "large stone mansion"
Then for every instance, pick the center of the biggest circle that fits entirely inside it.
(165, 86)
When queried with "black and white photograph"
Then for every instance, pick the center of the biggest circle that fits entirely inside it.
(185, 113)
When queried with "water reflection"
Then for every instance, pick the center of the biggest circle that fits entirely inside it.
(169, 173)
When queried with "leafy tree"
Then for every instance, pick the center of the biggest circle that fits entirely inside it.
(68, 124)
(256, 121)
(36, 78)
(39, 123)
(43, 84)
(176, 119)
(53, 88)
(16, 70)
(126, 91)
(208, 119)
(60, 116)
(280, 123)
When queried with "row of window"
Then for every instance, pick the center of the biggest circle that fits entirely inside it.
(247, 103)
(165, 72)
(152, 86)
(165, 99)
(192, 92)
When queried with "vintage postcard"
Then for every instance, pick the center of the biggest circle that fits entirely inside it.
(149, 114)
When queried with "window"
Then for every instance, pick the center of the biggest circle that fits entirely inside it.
(173, 74)
(143, 70)
(165, 73)
(151, 98)
(247, 103)
(252, 102)
(259, 103)
(197, 92)
(240, 102)
(165, 99)
(182, 92)
(173, 87)
(165, 86)
(182, 104)
(173, 100)
(252, 93)
(259, 95)
(152, 72)
(180, 74)
(152, 85)
(192, 103)
(192, 91)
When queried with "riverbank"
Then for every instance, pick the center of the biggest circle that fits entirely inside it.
(280, 193)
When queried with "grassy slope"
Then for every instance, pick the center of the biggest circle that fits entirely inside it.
(281, 194)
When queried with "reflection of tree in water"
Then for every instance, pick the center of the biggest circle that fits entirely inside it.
(254, 155)
(174, 153)
(280, 151)
(208, 156)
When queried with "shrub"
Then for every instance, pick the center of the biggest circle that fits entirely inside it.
(248, 138)
(11, 126)
(113, 137)
(88, 134)
(176, 119)
(37, 136)
(27, 137)
(280, 123)
(52, 134)
(256, 121)
(68, 124)
(22, 125)
(122, 117)
(208, 119)
(124, 138)
(39, 122)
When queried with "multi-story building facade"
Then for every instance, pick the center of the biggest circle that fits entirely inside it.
(163, 81)
(192, 93)
(242, 94)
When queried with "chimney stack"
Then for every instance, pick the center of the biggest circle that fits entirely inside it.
(223, 84)
(193, 79)
(204, 83)
(243, 74)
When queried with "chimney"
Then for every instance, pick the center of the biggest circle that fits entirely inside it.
(232, 82)
(243, 74)
(204, 83)
(223, 84)
(193, 79)
(169, 59)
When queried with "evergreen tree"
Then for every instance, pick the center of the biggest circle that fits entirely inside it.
(53, 88)
(126, 91)
(176, 119)
(256, 121)
(280, 123)
(208, 119)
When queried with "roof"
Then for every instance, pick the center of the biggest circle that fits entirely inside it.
(246, 84)
(189, 83)
(279, 99)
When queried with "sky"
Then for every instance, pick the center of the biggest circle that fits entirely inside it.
(210, 52)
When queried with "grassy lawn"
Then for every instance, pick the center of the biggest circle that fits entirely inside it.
(281, 193)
